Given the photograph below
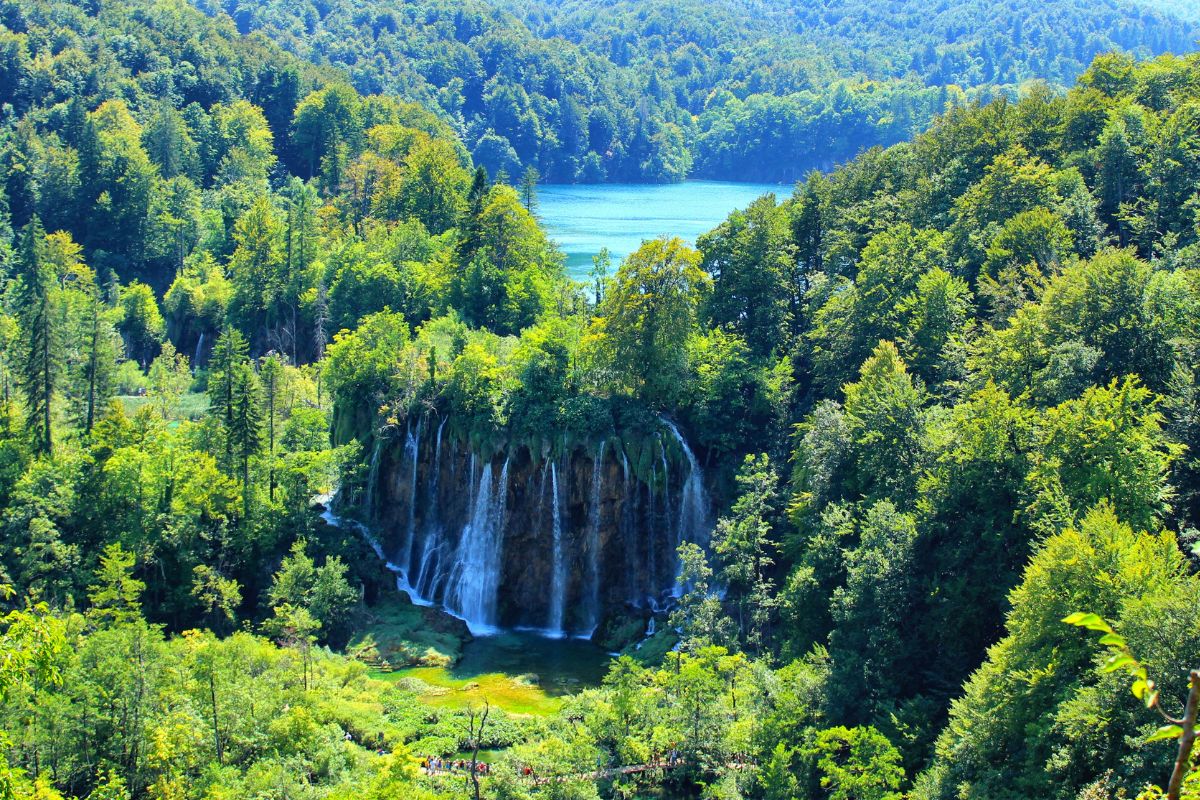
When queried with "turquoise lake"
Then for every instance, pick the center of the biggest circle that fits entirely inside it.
(582, 218)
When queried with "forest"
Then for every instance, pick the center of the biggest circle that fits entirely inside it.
(886, 488)
(656, 91)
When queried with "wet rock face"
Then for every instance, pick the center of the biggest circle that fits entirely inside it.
(478, 534)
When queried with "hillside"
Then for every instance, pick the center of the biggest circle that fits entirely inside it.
(656, 91)
(299, 410)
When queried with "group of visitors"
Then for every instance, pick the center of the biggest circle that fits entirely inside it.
(434, 765)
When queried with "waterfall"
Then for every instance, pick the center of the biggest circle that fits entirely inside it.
(628, 534)
(669, 526)
(437, 472)
(471, 481)
(593, 544)
(333, 520)
(694, 523)
(475, 579)
(412, 447)
(651, 565)
(558, 586)
(429, 565)
(373, 475)
(199, 349)
(427, 570)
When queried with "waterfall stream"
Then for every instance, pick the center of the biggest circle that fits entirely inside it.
(373, 475)
(429, 565)
(558, 585)
(694, 523)
(412, 447)
(475, 578)
(593, 543)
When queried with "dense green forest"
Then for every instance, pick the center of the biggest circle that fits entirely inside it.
(941, 398)
(656, 91)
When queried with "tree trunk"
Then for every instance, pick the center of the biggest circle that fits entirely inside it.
(1186, 740)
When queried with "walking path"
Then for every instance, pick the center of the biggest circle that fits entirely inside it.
(454, 767)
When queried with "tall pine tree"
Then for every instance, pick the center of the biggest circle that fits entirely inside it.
(39, 367)
(228, 355)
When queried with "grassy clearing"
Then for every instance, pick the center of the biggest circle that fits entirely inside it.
(191, 406)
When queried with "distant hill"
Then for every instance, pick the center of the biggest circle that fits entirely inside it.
(655, 90)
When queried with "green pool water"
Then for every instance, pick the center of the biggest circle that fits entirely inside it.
(521, 672)
(583, 218)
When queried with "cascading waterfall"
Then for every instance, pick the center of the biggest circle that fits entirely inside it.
(449, 543)
(471, 480)
(412, 447)
(475, 579)
(669, 522)
(199, 349)
(429, 566)
(373, 475)
(694, 523)
(558, 586)
(593, 543)
(634, 591)
(651, 589)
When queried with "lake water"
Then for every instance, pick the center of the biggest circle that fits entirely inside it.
(583, 218)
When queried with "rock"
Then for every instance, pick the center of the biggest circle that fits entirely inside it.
(621, 628)
(623, 523)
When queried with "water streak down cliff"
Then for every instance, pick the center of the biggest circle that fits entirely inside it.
(515, 539)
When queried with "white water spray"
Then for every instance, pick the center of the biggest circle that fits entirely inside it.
(475, 578)
(558, 587)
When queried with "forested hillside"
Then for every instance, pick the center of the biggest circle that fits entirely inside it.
(272, 348)
(755, 90)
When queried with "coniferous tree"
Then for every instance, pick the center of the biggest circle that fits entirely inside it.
(244, 434)
(228, 355)
(101, 353)
(270, 374)
(469, 238)
(529, 183)
(39, 369)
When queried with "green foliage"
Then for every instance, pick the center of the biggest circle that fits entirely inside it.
(856, 763)
(647, 317)
(1045, 671)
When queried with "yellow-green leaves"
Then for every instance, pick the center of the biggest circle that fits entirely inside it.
(1121, 659)
(1093, 622)
(1166, 732)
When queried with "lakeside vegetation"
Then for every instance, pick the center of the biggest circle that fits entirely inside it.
(945, 396)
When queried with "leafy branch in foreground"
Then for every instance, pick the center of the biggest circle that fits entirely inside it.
(1143, 688)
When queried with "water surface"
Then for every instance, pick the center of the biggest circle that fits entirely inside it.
(583, 218)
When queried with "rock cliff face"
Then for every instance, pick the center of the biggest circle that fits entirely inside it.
(514, 538)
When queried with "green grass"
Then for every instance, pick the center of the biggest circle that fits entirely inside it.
(191, 406)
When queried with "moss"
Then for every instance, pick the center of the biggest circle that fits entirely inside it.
(651, 652)
(438, 687)
(620, 630)
(400, 634)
